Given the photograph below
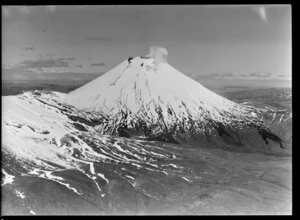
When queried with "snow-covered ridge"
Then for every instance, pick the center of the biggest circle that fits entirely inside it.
(139, 91)
(44, 136)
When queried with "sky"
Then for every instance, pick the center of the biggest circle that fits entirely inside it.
(205, 42)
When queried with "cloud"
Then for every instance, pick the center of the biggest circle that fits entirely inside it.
(14, 74)
(284, 77)
(223, 75)
(17, 75)
(259, 75)
(261, 11)
(44, 63)
(68, 58)
(98, 38)
(159, 54)
(233, 76)
(29, 48)
(98, 64)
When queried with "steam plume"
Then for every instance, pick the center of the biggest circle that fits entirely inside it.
(159, 54)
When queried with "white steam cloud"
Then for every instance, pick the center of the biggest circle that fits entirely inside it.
(159, 54)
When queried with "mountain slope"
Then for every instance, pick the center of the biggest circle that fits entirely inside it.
(54, 161)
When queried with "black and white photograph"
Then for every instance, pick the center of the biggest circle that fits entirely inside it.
(146, 110)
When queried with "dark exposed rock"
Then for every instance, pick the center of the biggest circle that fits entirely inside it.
(268, 135)
(79, 127)
(93, 122)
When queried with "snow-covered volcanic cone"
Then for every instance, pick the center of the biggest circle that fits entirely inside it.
(146, 96)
